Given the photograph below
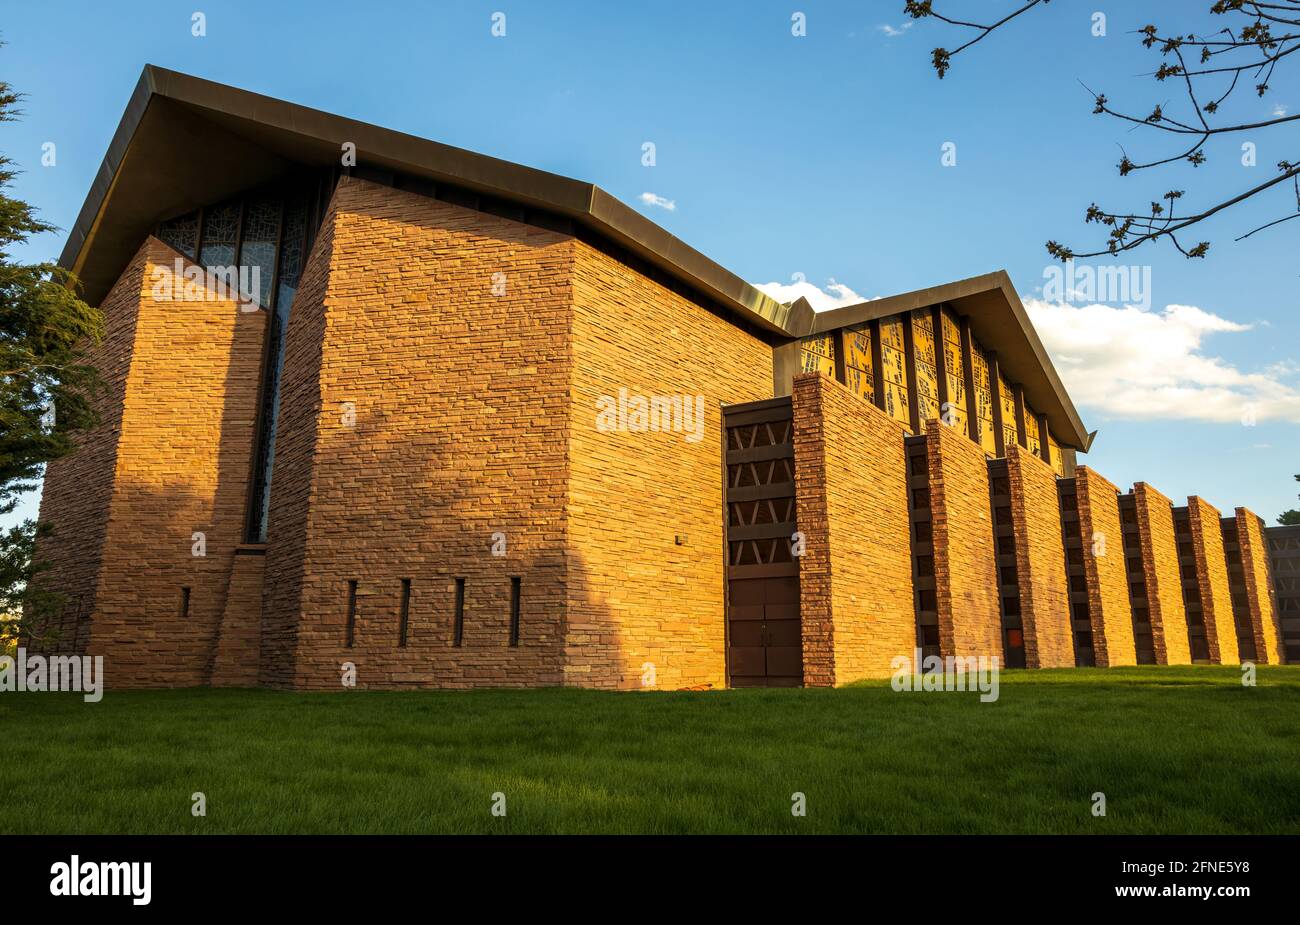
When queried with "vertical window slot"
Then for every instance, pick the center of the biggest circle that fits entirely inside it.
(514, 610)
(405, 615)
(458, 627)
(352, 613)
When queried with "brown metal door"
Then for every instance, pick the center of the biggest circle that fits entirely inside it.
(766, 647)
(764, 634)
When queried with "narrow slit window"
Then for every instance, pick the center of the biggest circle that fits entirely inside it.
(458, 627)
(185, 603)
(352, 613)
(514, 611)
(405, 616)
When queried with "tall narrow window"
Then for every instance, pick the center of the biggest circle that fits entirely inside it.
(220, 235)
(514, 610)
(292, 250)
(404, 617)
(352, 613)
(257, 244)
(458, 627)
(185, 603)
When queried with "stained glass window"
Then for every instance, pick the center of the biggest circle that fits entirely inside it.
(220, 231)
(927, 375)
(1010, 432)
(181, 233)
(857, 361)
(817, 355)
(257, 248)
(954, 371)
(983, 397)
(894, 361)
(292, 251)
(1058, 462)
(1031, 431)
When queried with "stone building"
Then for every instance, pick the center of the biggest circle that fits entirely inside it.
(371, 399)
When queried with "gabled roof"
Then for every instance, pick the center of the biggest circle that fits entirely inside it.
(184, 141)
(183, 137)
(999, 321)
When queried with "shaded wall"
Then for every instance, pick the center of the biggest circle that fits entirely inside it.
(966, 589)
(1212, 580)
(1162, 578)
(856, 573)
(425, 411)
(1040, 561)
(186, 422)
(1110, 611)
(1259, 587)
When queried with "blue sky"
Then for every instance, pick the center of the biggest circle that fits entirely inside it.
(817, 155)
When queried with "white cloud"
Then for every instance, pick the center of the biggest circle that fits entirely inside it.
(651, 199)
(835, 295)
(1279, 110)
(895, 33)
(1130, 363)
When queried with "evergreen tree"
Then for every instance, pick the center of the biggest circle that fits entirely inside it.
(45, 390)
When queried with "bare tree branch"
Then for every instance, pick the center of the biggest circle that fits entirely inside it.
(1250, 50)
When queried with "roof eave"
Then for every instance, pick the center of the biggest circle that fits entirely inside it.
(317, 132)
(975, 295)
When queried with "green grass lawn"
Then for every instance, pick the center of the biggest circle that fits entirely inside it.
(1175, 750)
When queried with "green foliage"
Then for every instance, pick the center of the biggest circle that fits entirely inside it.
(1290, 518)
(45, 387)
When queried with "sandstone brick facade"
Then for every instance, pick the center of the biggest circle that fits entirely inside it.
(856, 573)
(1110, 611)
(237, 655)
(1040, 561)
(449, 507)
(636, 595)
(477, 416)
(78, 488)
(185, 412)
(1212, 580)
(425, 421)
(1162, 578)
(1259, 587)
(965, 570)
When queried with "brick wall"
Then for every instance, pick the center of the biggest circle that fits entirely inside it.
(295, 451)
(1259, 587)
(1212, 579)
(636, 595)
(1163, 580)
(184, 447)
(1040, 561)
(425, 411)
(1103, 563)
(237, 654)
(965, 571)
(856, 574)
(78, 488)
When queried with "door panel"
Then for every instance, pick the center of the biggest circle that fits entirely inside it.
(764, 644)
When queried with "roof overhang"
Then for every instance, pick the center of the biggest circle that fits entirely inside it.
(999, 320)
(184, 141)
(182, 138)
